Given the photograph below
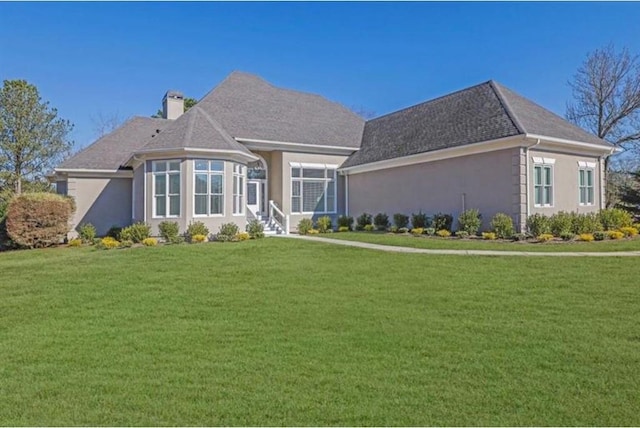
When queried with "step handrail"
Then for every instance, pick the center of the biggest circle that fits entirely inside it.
(284, 222)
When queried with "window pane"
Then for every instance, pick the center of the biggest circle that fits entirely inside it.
(312, 196)
(295, 188)
(201, 204)
(537, 175)
(295, 204)
(538, 192)
(330, 203)
(174, 184)
(583, 195)
(174, 166)
(295, 172)
(547, 175)
(547, 195)
(161, 184)
(216, 204)
(590, 195)
(313, 173)
(174, 205)
(161, 206)
(581, 180)
(331, 188)
(216, 183)
(589, 178)
(201, 165)
(217, 166)
(241, 188)
(252, 193)
(201, 183)
(159, 166)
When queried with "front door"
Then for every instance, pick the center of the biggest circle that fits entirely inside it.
(254, 197)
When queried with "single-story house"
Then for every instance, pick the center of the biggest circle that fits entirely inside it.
(249, 150)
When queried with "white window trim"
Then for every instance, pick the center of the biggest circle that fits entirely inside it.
(586, 168)
(242, 173)
(153, 189)
(546, 162)
(209, 172)
(301, 179)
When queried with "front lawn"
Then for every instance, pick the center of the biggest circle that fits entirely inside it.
(292, 332)
(433, 242)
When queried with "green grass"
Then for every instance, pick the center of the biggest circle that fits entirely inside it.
(291, 332)
(432, 242)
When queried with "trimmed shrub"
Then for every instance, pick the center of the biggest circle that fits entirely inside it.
(567, 236)
(242, 236)
(75, 243)
(114, 232)
(545, 237)
(586, 237)
(417, 231)
(197, 228)
(324, 224)
(615, 218)
(369, 228)
(629, 231)
(198, 238)
(137, 232)
(343, 229)
(149, 242)
(420, 220)
(255, 229)
(443, 233)
(108, 243)
(126, 244)
(586, 223)
(462, 234)
(599, 236)
(227, 232)
(561, 222)
(538, 224)
(304, 226)
(169, 230)
(87, 233)
(36, 220)
(442, 222)
(470, 221)
(615, 234)
(345, 221)
(381, 221)
(429, 231)
(400, 220)
(489, 236)
(363, 220)
(403, 230)
(502, 226)
(313, 231)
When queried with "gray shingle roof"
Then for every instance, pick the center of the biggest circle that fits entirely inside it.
(114, 149)
(195, 129)
(249, 107)
(484, 112)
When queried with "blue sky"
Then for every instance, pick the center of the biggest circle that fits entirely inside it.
(91, 59)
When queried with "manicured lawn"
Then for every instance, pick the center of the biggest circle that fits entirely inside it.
(406, 240)
(291, 332)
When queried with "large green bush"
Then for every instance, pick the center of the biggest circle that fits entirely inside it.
(469, 221)
(39, 219)
(136, 233)
(304, 226)
(561, 223)
(255, 229)
(400, 220)
(169, 230)
(442, 221)
(585, 223)
(345, 221)
(227, 232)
(381, 221)
(502, 226)
(420, 220)
(197, 228)
(324, 224)
(538, 224)
(615, 218)
(363, 220)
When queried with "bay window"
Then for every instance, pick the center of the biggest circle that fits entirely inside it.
(208, 198)
(166, 188)
(239, 174)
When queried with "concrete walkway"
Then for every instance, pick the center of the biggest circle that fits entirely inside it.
(462, 252)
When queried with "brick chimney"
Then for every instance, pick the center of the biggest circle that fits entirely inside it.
(172, 105)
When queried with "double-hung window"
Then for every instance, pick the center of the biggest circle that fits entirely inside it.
(585, 183)
(239, 174)
(166, 188)
(208, 198)
(313, 188)
(543, 182)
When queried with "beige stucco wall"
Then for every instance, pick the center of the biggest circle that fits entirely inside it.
(489, 182)
(103, 202)
(187, 200)
(565, 183)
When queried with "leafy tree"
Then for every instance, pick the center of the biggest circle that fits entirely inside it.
(33, 139)
(630, 194)
(188, 103)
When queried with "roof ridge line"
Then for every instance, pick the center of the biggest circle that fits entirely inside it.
(507, 107)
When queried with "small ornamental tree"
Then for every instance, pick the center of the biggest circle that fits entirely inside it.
(36, 220)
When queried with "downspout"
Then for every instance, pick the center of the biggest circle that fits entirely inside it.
(346, 195)
(527, 190)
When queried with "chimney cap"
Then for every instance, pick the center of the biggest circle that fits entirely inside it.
(174, 94)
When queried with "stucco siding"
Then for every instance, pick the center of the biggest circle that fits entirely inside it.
(489, 182)
(138, 194)
(565, 183)
(103, 202)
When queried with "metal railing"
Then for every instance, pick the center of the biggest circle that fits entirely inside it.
(278, 217)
